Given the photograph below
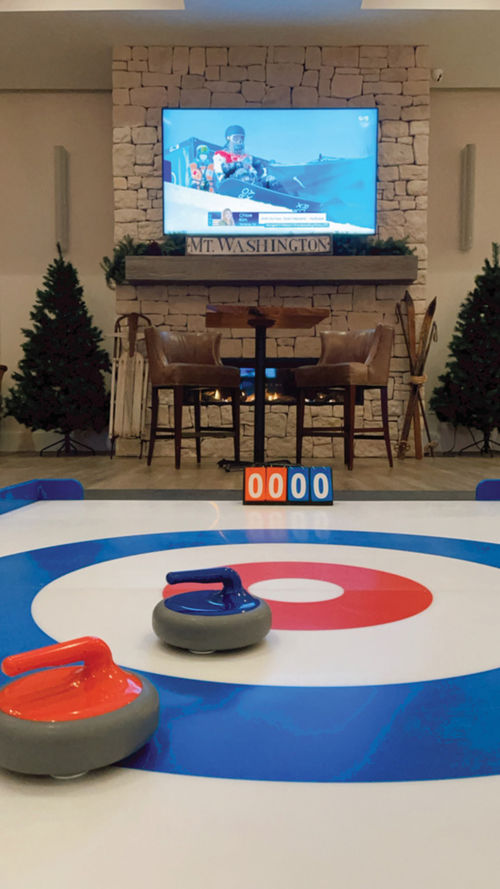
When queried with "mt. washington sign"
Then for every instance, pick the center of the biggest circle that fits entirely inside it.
(230, 246)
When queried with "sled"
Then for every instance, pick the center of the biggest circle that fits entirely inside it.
(129, 381)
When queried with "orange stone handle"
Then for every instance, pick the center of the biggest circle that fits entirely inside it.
(94, 653)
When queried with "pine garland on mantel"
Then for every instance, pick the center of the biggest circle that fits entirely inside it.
(175, 245)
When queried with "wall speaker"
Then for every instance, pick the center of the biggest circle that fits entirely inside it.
(467, 191)
(61, 195)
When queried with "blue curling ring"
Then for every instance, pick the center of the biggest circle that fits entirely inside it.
(444, 728)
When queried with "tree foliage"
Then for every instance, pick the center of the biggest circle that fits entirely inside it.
(60, 383)
(469, 390)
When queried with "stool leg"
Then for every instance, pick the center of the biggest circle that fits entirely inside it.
(197, 424)
(300, 424)
(154, 423)
(349, 414)
(178, 401)
(235, 408)
(385, 422)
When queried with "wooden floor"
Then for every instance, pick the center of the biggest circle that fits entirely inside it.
(460, 473)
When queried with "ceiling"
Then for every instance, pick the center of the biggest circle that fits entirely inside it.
(72, 49)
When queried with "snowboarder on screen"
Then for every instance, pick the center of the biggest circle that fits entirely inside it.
(232, 162)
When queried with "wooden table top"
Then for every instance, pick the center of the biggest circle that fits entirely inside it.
(266, 316)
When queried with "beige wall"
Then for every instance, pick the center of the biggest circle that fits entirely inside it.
(457, 118)
(31, 124)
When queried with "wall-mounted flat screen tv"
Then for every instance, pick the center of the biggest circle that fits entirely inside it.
(257, 171)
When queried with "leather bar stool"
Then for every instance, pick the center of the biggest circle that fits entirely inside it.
(188, 364)
(350, 362)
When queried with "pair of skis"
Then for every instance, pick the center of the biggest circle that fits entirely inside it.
(417, 356)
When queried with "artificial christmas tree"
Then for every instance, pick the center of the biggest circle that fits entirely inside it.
(60, 382)
(469, 394)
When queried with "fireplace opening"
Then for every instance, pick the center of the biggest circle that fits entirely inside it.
(280, 384)
(280, 387)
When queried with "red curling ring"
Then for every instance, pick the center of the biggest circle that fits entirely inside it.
(370, 598)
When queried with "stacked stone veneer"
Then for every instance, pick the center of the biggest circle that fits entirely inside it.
(395, 79)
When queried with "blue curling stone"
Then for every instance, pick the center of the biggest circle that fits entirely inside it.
(211, 620)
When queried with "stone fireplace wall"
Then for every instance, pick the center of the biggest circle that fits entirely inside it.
(395, 79)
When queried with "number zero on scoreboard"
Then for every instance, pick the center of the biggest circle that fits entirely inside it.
(288, 484)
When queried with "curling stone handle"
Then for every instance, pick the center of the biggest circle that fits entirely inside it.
(230, 579)
(94, 653)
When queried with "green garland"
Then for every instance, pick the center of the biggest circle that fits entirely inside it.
(114, 266)
(354, 245)
(175, 245)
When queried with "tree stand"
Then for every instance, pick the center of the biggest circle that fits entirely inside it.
(483, 445)
(69, 447)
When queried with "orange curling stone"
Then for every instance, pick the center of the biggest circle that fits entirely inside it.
(68, 720)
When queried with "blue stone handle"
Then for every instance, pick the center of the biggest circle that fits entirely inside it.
(232, 593)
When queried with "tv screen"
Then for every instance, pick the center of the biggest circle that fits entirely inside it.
(256, 171)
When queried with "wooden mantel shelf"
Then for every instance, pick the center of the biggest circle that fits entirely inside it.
(296, 268)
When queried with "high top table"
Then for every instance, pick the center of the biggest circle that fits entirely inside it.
(261, 318)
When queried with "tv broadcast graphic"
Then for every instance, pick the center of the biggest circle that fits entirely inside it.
(258, 171)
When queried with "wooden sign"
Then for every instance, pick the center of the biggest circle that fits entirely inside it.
(228, 246)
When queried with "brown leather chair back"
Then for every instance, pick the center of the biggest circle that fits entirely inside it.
(166, 347)
(338, 347)
(187, 359)
(191, 348)
(371, 348)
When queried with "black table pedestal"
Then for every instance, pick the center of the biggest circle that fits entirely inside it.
(259, 428)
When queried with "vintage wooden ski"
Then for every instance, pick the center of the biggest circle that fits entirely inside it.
(412, 340)
(424, 336)
(417, 377)
(409, 333)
